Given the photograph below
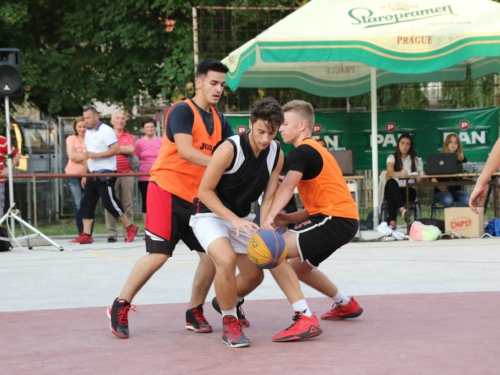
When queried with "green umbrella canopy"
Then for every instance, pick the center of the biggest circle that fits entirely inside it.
(327, 47)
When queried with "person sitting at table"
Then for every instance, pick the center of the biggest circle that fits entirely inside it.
(403, 162)
(449, 194)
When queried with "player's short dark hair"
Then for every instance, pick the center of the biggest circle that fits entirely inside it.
(211, 64)
(91, 109)
(269, 111)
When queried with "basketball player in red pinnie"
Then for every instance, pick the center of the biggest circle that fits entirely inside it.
(241, 168)
(330, 218)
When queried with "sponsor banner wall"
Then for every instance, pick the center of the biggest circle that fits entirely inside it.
(477, 129)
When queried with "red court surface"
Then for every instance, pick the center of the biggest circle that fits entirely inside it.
(452, 333)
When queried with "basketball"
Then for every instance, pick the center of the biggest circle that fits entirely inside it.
(266, 249)
(281, 229)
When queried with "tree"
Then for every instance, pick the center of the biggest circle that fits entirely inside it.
(76, 52)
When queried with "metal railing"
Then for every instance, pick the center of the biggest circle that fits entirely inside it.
(33, 213)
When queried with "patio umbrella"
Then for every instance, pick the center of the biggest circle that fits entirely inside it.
(342, 48)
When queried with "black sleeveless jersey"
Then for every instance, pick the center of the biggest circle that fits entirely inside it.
(246, 178)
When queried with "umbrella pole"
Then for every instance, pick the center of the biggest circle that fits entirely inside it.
(373, 91)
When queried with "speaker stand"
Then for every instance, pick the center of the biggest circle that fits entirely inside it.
(11, 214)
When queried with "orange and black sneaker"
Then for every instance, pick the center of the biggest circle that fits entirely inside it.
(239, 311)
(339, 312)
(233, 333)
(195, 320)
(303, 327)
(82, 239)
(118, 313)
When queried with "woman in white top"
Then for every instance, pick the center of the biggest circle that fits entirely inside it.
(403, 162)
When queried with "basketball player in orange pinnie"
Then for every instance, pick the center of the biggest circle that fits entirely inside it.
(241, 168)
(330, 218)
(192, 128)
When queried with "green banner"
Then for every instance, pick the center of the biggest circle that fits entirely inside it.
(477, 129)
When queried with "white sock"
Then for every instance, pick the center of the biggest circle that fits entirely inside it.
(341, 298)
(301, 306)
(230, 312)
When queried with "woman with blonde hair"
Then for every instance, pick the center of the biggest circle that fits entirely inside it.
(75, 148)
(449, 194)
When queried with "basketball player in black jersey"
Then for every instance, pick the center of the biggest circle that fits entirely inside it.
(241, 168)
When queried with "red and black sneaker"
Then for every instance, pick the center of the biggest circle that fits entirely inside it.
(195, 320)
(118, 313)
(233, 333)
(239, 311)
(338, 311)
(303, 327)
(82, 239)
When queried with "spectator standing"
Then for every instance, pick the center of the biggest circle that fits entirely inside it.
(124, 186)
(102, 146)
(146, 149)
(75, 148)
(4, 171)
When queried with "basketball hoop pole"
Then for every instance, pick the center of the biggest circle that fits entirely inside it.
(10, 214)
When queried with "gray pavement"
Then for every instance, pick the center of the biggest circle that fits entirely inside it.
(93, 275)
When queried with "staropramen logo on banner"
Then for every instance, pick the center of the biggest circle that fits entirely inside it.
(473, 137)
(400, 13)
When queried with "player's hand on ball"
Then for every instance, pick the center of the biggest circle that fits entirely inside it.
(267, 224)
(281, 219)
(244, 225)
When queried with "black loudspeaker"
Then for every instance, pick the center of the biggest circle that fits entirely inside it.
(11, 82)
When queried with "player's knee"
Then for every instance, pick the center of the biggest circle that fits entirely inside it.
(225, 264)
(258, 277)
(157, 260)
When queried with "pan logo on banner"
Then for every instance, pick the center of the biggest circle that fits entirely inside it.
(387, 138)
(477, 129)
(317, 129)
(473, 137)
(332, 138)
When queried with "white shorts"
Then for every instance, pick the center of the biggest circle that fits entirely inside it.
(208, 227)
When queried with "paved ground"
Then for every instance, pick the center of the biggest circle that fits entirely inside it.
(430, 308)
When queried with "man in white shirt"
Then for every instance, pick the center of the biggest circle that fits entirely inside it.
(102, 147)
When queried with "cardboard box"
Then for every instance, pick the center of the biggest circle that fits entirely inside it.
(464, 222)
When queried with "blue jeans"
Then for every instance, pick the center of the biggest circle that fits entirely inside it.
(448, 197)
(75, 186)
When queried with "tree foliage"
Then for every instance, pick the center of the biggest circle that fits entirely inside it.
(78, 52)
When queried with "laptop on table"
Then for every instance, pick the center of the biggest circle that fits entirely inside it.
(442, 163)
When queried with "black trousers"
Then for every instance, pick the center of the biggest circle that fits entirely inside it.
(95, 189)
(395, 197)
(143, 188)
